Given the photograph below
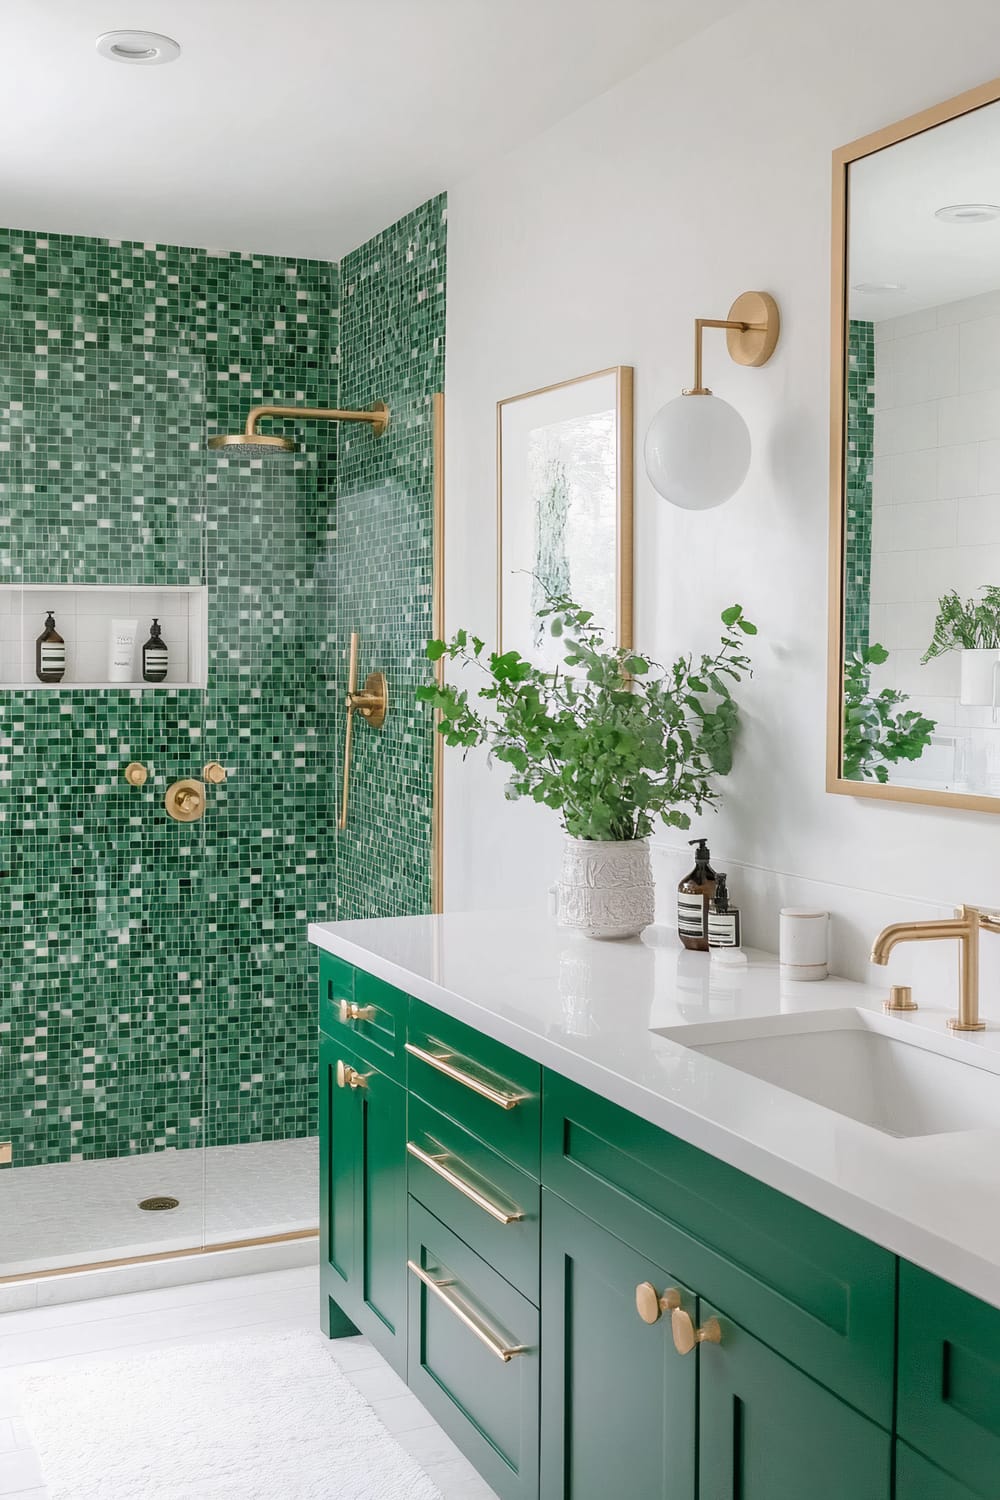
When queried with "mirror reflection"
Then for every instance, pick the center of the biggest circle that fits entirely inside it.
(921, 567)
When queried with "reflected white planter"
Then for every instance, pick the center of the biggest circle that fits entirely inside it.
(605, 889)
(981, 677)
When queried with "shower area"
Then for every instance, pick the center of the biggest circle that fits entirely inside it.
(157, 994)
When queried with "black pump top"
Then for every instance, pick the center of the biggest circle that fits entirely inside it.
(50, 621)
(702, 855)
(721, 892)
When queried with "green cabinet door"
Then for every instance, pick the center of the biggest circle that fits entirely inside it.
(918, 1479)
(363, 1201)
(766, 1431)
(618, 1402)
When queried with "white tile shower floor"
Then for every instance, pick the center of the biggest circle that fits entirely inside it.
(85, 1211)
(276, 1300)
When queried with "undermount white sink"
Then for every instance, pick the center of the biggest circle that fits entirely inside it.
(872, 1068)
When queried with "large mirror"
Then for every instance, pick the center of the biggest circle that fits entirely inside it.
(915, 597)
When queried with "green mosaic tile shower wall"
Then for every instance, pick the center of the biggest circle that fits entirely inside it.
(860, 443)
(392, 348)
(156, 986)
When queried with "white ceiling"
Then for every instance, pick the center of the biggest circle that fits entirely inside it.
(894, 235)
(295, 127)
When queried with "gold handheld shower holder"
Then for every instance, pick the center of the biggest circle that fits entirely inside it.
(372, 703)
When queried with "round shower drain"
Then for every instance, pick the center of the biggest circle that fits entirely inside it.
(160, 1203)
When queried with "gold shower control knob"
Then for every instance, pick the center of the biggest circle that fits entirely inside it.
(185, 801)
(215, 773)
(136, 774)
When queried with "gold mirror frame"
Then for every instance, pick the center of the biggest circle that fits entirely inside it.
(940, 114)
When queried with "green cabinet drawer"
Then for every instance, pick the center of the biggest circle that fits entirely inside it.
(918, 1479)
(618, 1402)
(362, 1201)
(949, 1378)
(488, 1202)
(766, 1431)
(820, 1295)
(473, 1356)
(489, 1088)
(368, 1013)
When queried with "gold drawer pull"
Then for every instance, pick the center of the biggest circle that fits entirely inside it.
(351, 1011)
(485, 1335)
(437, 1164)
(649, 1304)
(687, 1336)
(442, 1062)
(348, 1077)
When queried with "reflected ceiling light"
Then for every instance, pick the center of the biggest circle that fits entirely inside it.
(879, 286)
(968, 213)
(697, 451)
(148, 48)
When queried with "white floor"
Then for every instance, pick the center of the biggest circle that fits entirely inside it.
(76, 1213)
(195, 1313)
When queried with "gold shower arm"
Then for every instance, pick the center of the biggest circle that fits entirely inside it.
(377, 417)
(371, 703)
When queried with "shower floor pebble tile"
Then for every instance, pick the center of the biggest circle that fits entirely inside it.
(186, 1314)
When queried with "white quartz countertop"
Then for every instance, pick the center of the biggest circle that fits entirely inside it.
(586, 1009)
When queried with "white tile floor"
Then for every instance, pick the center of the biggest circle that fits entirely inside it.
(74, 1213)
(192, 1314)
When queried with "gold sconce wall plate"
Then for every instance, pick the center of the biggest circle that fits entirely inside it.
(756, 341)
(185, 801)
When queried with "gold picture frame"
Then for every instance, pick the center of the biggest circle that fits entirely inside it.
(585, 399)
(890, 135)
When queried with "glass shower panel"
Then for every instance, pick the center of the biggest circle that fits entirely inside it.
(101, 1017)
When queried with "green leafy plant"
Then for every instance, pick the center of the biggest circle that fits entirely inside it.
(612, 740)
(966, 624)
(877, 733)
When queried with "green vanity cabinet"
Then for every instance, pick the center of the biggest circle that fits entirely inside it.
(766, 1431)
(618, 1402)
(918, 1479)
(362, 1201)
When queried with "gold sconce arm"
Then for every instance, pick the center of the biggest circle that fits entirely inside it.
(752, 330)
(371, 703)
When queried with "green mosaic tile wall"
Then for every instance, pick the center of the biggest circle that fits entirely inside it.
(156, 987)
(392, 348)
(860, 443)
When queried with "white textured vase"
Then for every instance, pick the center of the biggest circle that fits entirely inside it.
(605, 889)
(980, 673)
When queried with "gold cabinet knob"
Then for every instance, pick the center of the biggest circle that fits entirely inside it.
(215, 773)
(136, 773)
(351, 1011)
(185, 801)
(350, 1078)
(649, 1304)
(687, 1336)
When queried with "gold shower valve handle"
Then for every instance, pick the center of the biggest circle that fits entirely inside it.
(185, 801)
(215, 773)
(136, 774)
(371, 703)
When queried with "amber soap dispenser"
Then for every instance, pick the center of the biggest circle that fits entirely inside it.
(693, 896)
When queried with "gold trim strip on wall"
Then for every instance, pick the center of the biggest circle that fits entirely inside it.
(143, 1260)
(437, 627)
(878, 140)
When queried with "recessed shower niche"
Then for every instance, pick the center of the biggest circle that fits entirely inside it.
(83, 615)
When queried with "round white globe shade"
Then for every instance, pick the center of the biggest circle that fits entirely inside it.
(697, 451)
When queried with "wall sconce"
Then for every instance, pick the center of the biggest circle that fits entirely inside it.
(698, 452)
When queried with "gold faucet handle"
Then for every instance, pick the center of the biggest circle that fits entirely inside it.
(900, 998)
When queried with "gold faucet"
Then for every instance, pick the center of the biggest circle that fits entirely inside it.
(966, 927)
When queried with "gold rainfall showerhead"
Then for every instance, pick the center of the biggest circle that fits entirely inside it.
(253, 444)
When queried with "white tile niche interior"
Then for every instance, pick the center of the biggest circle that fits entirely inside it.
(83, 613)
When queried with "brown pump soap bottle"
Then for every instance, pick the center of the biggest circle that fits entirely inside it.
(693, 895)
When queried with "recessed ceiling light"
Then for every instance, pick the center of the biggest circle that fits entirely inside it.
(968, 213)
(144, 47)
(878, 286)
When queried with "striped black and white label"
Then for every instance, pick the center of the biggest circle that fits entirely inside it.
(691, 915)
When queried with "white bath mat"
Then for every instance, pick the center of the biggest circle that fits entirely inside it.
(269, 1417)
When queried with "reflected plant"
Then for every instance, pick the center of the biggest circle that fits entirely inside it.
(966, 625)
(877, 733)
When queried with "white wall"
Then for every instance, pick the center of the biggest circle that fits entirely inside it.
(704, 175)
(936, 517)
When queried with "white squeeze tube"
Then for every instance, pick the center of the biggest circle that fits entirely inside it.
(122, 636)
